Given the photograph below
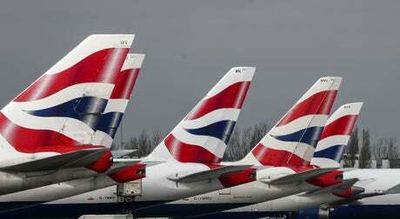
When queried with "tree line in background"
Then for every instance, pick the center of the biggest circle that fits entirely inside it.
(360, 150)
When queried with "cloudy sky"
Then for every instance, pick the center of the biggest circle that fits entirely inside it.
(191, 44)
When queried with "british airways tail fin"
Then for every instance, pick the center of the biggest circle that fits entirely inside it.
(111, 118)
(292, 141)
(336, 136)
(203, 134)
(58, 111)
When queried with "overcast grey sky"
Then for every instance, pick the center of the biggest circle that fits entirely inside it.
(191, 44)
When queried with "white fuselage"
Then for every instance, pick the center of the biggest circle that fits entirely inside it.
(241, 195)
(371, 180)
(14, 182)
(60, 190)
(156, 187)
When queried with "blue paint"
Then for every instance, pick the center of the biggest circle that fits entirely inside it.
(334, 152)
(109, 123)
(221, 130)
(308, 136)
(83, 109)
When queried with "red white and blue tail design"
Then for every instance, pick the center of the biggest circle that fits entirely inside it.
(336, 136)
(57, 113)
(202, 135)
(112, 116)
(292, 141)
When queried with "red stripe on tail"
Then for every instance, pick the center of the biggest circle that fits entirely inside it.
(231, 97)
(341, 126)
(189, 153)
(90, 69)
(32, 141)
(271, 157)
(319, 103)
(125, 83)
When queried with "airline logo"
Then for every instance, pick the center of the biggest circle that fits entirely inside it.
(59, 110)
(336, 135)
(292, 141)
(203, 134)
(111, 118)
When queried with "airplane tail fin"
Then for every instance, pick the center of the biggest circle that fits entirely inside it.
(58, 111)
(111, 118)
(203, 134)
(292, 141)
(336, 135)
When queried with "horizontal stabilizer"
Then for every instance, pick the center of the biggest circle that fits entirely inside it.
(354, 199)
(334, 188)
(120, 165)
(79, 158)
(297, 177)
(136, 160)
(207, 174)
(394, 190)
(86, 160)
(122, 153)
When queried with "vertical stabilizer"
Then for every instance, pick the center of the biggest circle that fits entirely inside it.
(336, 136)
(292, 141)
(203, 134)
(111, 119)
(58, 111)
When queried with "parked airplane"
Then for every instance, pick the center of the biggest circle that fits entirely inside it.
(329, 151)
(107, 125)
(48, 132)
(364, 193)
(282, 157)
(382, 206)
(377, 197)
(304, 121)
(190, 156)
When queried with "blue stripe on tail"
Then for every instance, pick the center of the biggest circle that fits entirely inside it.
(110, 122)
(334, 152)
(85, 109)
(221, 130)
(308, 136)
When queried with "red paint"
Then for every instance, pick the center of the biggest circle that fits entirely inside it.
(319, 103)
(327, 179)
(238, 177)
(33, 141)
(125, 83)
(341, 126)
(231, 97)
(276, 158)
(347, 193)
(90, 69)
(130, 173)
(184, 152)
(102, 164)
